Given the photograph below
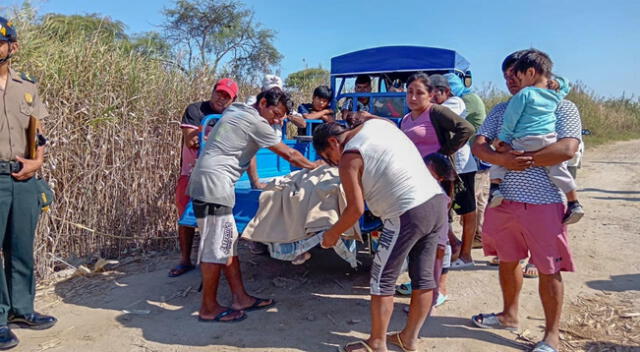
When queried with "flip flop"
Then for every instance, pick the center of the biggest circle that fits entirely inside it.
(257, 304)
(218, 318)
(180, 269)
(398, 341)
(543, 347)
(354, 344)
(490, 321)
(461, 264)
(530, 271)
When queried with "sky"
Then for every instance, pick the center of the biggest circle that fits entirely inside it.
(594, 42)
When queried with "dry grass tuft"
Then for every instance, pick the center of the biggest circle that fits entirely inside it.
(603, 322)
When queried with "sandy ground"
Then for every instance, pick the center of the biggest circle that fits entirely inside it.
(324, 303)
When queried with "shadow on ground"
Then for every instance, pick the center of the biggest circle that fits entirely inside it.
(618, 283)
(608, 191)
(612, 347)
(321, 304)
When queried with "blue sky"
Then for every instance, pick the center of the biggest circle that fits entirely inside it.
(595, 42)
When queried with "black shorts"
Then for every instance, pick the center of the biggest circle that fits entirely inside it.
(465, 202)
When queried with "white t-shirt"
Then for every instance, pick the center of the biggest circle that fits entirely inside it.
(463, 162)
(395, 178)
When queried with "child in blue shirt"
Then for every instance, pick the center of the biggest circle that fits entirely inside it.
(529, 124)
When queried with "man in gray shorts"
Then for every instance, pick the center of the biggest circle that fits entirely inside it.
(399, 189)
(233, 142)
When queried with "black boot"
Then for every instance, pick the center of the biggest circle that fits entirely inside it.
(35, 321)
(7, 338)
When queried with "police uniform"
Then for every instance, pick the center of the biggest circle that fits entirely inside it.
(19, 205)
(19, 208)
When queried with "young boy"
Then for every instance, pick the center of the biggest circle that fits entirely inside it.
(318, 109)
(443, 171)
(529, 125)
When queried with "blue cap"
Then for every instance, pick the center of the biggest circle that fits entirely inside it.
(7, 31)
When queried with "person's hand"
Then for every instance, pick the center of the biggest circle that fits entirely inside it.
(191, 139)
(29, 168)
(329, 240)
(364, 115)
(516, 160)
(502, 147)
(327, 115)
(193, 143)
(258, 185)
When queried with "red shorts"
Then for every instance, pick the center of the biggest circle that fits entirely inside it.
(513, 230)
(182, 198)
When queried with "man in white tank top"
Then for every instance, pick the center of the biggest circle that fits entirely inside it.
(380, 165)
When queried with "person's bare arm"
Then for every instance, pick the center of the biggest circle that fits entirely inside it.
(556, 153)
(512, 160)
(293, 156)
(252, 171)
(319, 115)
(298, 120)
(350, 169)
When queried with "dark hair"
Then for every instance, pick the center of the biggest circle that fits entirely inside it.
(535, 59)
(512, 59)
(442, 167)
(323, 92)
(363, 79)
(275, 96)
(322, 133)
(423, 78)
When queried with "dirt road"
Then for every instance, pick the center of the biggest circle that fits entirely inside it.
(324, 303)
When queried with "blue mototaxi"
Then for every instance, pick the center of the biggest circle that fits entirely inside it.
(386, 66)
(390, 66)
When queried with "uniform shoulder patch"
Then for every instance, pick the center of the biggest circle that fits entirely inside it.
(27, 77)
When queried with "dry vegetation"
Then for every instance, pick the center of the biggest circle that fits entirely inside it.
(114, 145)
(114, 141)
(605, 322)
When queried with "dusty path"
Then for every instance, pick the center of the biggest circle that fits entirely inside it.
(323, 303)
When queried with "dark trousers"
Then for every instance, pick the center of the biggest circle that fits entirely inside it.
(19, 213)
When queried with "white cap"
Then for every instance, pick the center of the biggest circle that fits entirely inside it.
(270, 81)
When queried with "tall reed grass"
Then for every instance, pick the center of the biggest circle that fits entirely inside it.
(114, 137)
(114, 144)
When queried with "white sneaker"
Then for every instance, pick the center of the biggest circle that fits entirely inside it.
(574, 213)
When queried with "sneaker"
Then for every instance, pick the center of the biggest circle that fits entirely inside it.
(404, 289)
(440, 300)
(495, 198)
(574, 213)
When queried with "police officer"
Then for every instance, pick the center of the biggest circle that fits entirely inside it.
(19, 204)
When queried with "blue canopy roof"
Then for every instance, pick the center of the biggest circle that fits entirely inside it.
(397, 59)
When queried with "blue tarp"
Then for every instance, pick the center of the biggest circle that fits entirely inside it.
(398, 59)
